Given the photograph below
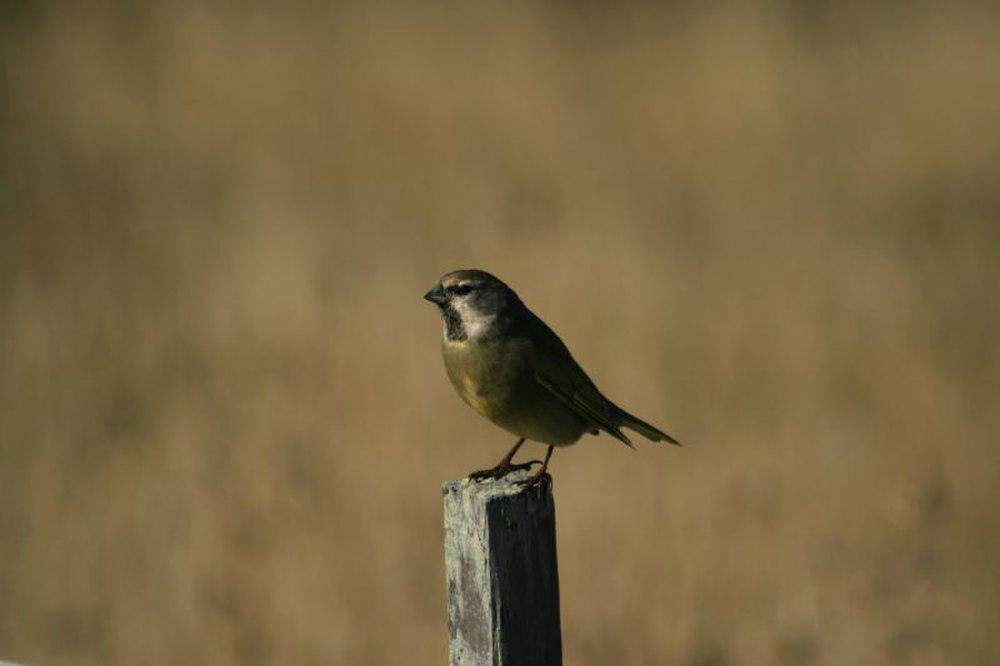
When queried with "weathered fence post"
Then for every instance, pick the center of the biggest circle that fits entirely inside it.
(503, 585)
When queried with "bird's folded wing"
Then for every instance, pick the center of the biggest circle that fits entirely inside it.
(564, 379)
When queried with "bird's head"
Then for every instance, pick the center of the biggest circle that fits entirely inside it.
(472, 302)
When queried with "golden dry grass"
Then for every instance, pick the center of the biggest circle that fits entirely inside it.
(770, 229)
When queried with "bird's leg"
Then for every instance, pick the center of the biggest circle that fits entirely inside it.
(505, 466)
(539, 476)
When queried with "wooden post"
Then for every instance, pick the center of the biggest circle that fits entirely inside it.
(503, 585)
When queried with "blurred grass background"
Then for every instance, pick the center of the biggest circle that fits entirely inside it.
(772, 229)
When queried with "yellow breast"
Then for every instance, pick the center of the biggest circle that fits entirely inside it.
(469, 374)
(472, 397)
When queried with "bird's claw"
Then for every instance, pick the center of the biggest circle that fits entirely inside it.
(535, 480)
(501, 471)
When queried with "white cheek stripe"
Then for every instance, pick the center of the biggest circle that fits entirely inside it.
(474, 324)
(477, 327)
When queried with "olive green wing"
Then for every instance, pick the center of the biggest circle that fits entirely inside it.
(584, 407)
(555, 369)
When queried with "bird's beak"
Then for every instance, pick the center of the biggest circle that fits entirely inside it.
(436, 295)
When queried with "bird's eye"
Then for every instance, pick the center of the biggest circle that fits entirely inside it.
(461, 289)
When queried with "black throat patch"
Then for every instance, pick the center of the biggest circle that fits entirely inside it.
(453, 324)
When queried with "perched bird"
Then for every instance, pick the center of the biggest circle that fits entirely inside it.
(511, 368)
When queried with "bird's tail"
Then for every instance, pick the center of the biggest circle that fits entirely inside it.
(645, 429)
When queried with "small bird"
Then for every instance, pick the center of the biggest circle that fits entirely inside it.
(511, 368)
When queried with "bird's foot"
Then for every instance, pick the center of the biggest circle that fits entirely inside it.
(537, 479)
(502, 470)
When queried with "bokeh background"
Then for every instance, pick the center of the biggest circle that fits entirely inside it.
(771, 228)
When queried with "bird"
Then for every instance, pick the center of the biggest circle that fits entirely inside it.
(510, 367)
